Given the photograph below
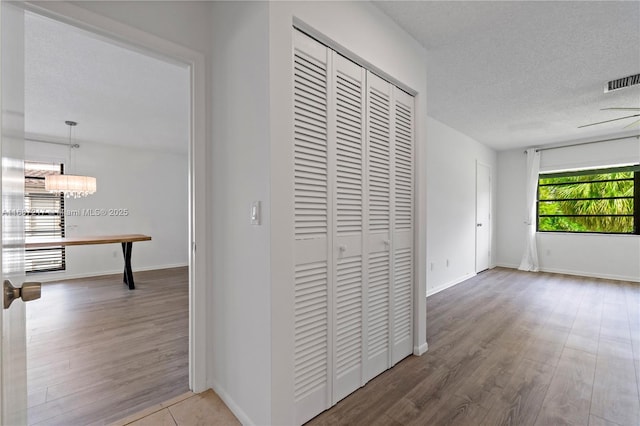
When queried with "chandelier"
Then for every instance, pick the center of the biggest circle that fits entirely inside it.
(75, 186)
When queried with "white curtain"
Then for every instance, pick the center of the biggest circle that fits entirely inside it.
(530, 255)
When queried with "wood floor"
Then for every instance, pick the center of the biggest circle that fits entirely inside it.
(98, 351)
(514, 348)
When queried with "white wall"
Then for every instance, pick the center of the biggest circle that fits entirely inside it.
(511, 207)
(240, 304)
(355, 28)
(451, 204)
(596, 255)
(151, 185)
(187, 23)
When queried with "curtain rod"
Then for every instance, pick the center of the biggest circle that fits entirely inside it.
(71, 145)
(585, 143)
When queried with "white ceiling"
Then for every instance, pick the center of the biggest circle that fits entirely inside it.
(508, 74)
(523, 73)
(117, 96)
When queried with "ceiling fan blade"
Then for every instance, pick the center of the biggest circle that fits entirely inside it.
(608, 121)
(620, 109)
(634, 124)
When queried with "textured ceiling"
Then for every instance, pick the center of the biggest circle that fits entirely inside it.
(508, 74)
(117, 96)
(515, 74)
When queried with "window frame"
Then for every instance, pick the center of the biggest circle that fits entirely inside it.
(29, 213)
(635, 169)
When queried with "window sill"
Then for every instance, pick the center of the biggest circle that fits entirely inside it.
(592, 234)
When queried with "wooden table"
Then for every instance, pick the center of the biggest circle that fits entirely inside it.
(126, 240)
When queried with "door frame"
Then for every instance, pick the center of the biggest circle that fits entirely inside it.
(133, 38)
(488, 166)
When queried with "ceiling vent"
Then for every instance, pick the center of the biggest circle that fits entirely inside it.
(622, 83)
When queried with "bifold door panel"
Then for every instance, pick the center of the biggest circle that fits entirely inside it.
(353, 193)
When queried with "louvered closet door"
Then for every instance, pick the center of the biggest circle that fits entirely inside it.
(377, 252)
(403, 201)
(348, 152)
(312, 229)
(354, 200)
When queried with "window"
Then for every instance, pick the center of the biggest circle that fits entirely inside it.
(596, 201)
(44, 217)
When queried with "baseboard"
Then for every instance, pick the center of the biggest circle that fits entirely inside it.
(231, 404)
(450, 284)
(507, 265)
(578, 273)
(590, 274)
(421, 350)
(63, 275)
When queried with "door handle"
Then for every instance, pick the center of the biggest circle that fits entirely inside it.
(28, 291)
(478, 225)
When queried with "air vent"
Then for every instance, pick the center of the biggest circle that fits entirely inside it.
(621, 83)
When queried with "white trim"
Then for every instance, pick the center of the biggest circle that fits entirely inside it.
(450, 284)
(421, 350)
(507, 265)
(231, 404)
(579, 273)
(590, 275)
(589, 234)
(309, 30)
(131, 37)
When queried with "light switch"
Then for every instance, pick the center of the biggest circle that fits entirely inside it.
(254, 217)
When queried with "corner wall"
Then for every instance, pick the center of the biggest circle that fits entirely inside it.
(451, 204)
(239, 306)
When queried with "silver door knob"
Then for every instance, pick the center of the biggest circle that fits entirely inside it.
(28, 291)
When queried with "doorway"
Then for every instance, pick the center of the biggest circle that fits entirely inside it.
(96, 350)
(483, 217)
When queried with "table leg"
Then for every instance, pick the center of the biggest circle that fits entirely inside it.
(128, 273)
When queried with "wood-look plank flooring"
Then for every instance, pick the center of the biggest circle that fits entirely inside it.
(98, 352)
(514, 348)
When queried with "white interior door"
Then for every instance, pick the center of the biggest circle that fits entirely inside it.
(403, 208)
(313, 222)
(483, 217)
(378, 249)
(347, 130)
(13, 383)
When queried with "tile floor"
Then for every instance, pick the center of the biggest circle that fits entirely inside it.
(190, 409)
